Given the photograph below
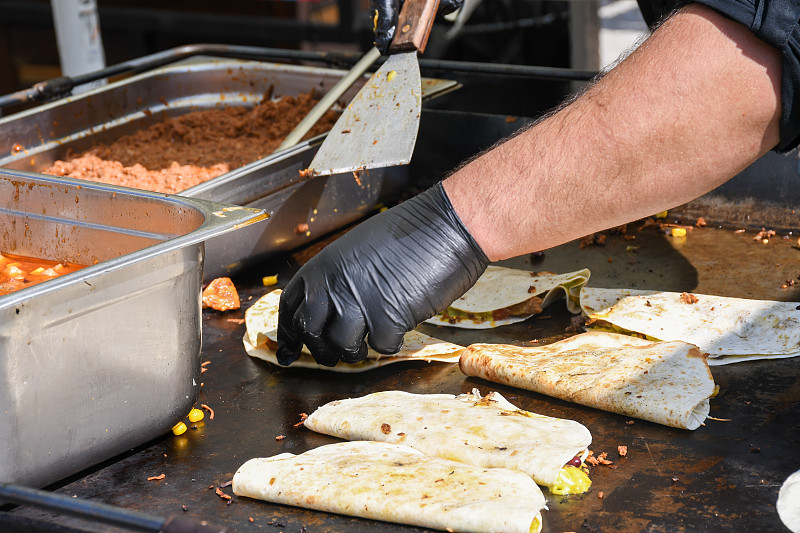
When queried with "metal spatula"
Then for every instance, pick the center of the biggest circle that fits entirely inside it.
(379, 127)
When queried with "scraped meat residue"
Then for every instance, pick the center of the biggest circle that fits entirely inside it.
(183, 151)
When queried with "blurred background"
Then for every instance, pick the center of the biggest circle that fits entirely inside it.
(580, 34)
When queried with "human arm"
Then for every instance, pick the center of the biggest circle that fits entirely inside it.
(695, 104)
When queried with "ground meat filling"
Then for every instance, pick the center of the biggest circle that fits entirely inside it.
(183, 151)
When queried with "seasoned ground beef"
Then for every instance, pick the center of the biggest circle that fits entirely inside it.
(181, 152)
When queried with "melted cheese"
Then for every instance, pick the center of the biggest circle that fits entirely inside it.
(571, 480)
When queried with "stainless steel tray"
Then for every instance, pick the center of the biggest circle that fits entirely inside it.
(101, 360)
(32, 140)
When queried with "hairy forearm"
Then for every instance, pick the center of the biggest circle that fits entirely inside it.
(694, 105)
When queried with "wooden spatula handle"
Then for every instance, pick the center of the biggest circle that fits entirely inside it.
(414, 25)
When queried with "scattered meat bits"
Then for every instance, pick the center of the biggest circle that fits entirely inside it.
(221, 295)
(701, 222)
(210, 411)
(600, 495)
(764, 235)
(303, 417)
(629, 423)
(623, 450)
(688, 298)
(280, 437)
(157, 478)
(602, 459)
(218, 492)
(386, 428)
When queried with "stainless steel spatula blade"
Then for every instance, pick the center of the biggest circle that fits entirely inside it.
(379, 127)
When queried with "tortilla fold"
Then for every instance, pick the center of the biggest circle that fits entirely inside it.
(394, 483)
(664, 382)
(261, 341)
(488, 432)
(504, 296)
(729, 330)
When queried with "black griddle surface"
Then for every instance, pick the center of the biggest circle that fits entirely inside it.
(724, 476)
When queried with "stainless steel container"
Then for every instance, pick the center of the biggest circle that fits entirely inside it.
(300, 212)
(103, 359)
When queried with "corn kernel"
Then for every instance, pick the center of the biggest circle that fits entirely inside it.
(679, 232)
(179, 428)
(662, 214)
(269, 280)
(37, 270)
(196, 415)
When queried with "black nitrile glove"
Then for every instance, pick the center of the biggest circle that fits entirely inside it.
(384, 15)
(380, 279)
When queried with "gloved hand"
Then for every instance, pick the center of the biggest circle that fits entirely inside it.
(384, 15)
(379, 280)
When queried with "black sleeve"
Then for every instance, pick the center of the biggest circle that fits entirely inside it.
(776, 22)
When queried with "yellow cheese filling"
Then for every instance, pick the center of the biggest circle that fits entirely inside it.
(536, 526)
(571, 480)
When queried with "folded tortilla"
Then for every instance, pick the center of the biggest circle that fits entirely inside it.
(729, 330)
(395, 483)
(507, 295)
(489, 432)
(788, 503)
(261, 341)
(664, 382)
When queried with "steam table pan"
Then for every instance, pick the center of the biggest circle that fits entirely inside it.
(98, 361)
(300, 212)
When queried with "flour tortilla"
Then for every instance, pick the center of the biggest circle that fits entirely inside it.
(489, 432)
(664, 382)
(788, 504)
(500, 288)
(261, 341)
(730, 330)
(395, 483)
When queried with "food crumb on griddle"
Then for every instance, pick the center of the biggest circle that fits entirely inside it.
(210, 411)
(221, 295)
(303, 417)
(623, 450)
(280, 437)
(157, 478)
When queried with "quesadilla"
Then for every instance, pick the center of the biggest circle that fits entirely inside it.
(788, 503)
(729, 330)
(507, 295)
(394, 483)
(261, 341)
(488, 432)
(664, 382)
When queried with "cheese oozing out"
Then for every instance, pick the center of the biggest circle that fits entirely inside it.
(571, 480)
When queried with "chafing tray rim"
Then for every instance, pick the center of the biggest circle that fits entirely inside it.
(217, 219)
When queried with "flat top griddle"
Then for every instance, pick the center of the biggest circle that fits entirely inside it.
(724, 476)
